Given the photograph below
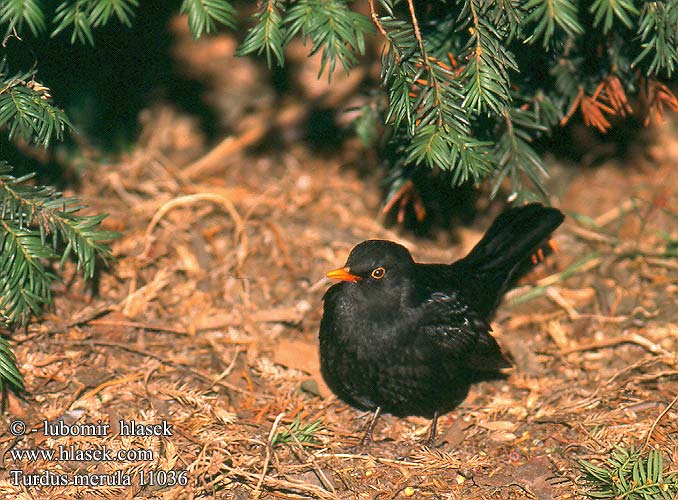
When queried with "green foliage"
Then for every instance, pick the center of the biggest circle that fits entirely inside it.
(549, 15)
(269, 34)
(10, 377)
(484, 80)
(426, 106)
(26, 109)
(607, 10)
(658, 29)
(204, 15)
(102, 11)
(469, 85)
(38, 225)
(35, 223)
(17, 12)
(80, 17)
(489, 61)
(629, 474)
(304, 433)
(513, 151)
(332, 28)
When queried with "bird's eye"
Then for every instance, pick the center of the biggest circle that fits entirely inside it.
(378, 273)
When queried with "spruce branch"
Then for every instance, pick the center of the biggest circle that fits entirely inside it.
(426, 97)
(10, 377)
(549, 14)
(76, 16)
(15, 13)
(606, 11)
(334, 30)
(26, 109)
(296, 431)
(452, 74)
(34, 222)
(508, 13)
(101, 11)
(515, 156)
(204, 15)
(658, 30)
(81, 16)
(487, 72)
(268, 33)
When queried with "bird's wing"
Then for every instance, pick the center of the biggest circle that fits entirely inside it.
(460, 332)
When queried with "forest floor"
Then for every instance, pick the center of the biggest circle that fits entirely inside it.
(208, 317)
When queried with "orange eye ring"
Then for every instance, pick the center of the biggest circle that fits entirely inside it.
(378, 273)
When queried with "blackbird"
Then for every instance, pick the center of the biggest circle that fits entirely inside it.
(409, 338)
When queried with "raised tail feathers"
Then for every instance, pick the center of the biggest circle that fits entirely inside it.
(509, 242)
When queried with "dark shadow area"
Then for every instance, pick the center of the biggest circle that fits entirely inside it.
(588, 147)
(103, 88)
(574, 145)
(26, 160)
(323, 133)
(445, 206)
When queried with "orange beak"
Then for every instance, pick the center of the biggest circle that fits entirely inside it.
(343, 274)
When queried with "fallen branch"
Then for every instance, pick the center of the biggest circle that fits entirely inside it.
(633, 338)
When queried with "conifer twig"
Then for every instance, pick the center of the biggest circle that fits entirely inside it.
(375, 19)
(187, 200)
(657, 420)
(269, 452)
(573, 107)
(225, 149)
(417, 32)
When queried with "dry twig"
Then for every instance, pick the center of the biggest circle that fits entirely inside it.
(269, 452)
(633, 338)
(657, 420)
(187, 200)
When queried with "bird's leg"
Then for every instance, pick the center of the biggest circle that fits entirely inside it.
(432, 431)
(367, 437)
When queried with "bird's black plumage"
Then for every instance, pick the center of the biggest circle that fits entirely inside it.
(405, 337)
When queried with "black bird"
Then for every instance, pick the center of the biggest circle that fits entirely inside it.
(408, 338)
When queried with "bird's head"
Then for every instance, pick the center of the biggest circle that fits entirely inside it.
(377, 271)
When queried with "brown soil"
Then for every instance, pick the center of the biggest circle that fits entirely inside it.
(208, 320)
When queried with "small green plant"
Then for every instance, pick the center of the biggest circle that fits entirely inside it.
(305, 433)
(630, 474)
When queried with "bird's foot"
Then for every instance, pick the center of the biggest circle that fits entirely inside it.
(363, 448)
(366, 440)
(431, 440)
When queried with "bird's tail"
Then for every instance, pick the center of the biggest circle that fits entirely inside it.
(514, 238)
